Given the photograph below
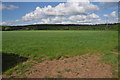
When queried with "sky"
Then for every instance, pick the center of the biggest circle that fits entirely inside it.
(26, 13)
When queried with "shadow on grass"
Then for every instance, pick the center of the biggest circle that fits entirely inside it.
(10, 60)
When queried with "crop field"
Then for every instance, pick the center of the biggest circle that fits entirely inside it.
(36, 45)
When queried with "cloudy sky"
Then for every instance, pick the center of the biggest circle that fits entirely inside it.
(23, 13)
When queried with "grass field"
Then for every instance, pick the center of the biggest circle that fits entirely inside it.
(54, 44)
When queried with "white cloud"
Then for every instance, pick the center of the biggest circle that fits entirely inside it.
(63, 9)
(72, 12)
(83, 17)
(111, 18)
(3, 23)
(106, 15)
(58, 0)
(77, 17)
(74, 19)
(7, 7)
(87, 1)
(93, 15)
(94, 0)
(113, 14)
(104, 0)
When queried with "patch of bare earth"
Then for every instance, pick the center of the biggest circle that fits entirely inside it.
(74, 67)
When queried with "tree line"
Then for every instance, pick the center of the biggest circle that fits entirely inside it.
(62, 27)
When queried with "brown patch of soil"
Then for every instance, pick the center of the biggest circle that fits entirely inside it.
(85, 66)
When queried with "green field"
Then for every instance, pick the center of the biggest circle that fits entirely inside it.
(54, 44)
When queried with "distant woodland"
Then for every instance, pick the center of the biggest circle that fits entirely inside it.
(62, 27)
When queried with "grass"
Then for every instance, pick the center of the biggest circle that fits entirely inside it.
(58, 71)
(19, 69)
(58, 43)
(54, 44)
(112, 59)
(67, 70)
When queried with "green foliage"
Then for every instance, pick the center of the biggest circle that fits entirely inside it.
(62, 27)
